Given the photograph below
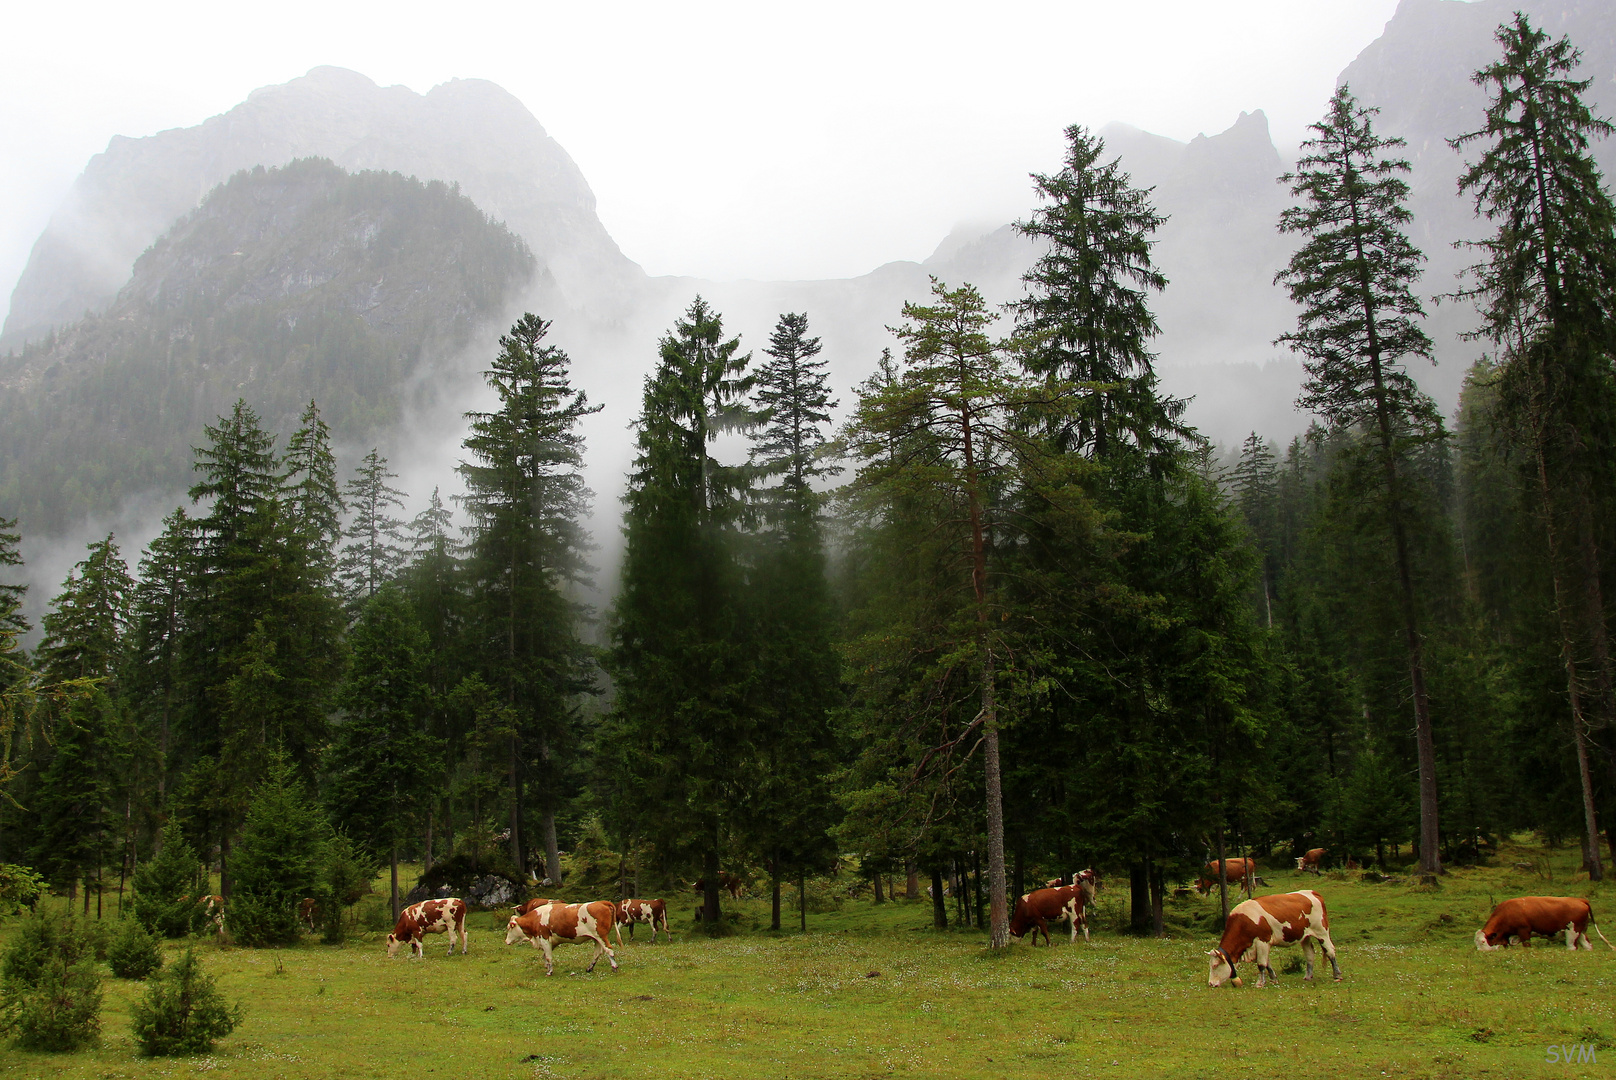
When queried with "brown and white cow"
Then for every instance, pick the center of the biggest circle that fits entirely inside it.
(1265, 921)
(556, 924)
(532, 905)
(1036, 910)
(429, 917)
(1239, 871)
(631, 912)
(1543, 915)
(308, 912)
(213, 911)
(1312, 862)
(726, 881)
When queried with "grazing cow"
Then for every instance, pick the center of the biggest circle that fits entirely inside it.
(430, 917)
(1265, 921)
(1313, 861)
(532, 905)
(213, 911)
(1239, 871)
(308, 912)
(726, 881)
(654, 912)
(556, 924)
(1545, 915)
(1039, 908)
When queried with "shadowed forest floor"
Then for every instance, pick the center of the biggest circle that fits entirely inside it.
(872, 990)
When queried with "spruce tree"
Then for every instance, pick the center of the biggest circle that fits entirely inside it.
(313, 505)
(527, 499)
(384, 762)
(684, 721)
(793, 615)
(1086, 318)
(12, 620)
(1353, 278)
(374, 553)
(1546, 290)
(1254, 483)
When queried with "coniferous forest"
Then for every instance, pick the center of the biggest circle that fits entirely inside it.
(992, 615)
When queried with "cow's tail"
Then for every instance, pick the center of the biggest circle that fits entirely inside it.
(1601, 933)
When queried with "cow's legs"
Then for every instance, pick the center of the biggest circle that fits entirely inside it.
(1329, 953)
(549, 958)
(1307, 957)
(1265, 974)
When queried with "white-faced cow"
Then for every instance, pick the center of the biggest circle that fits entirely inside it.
(654, 912)
(556, 924)
(1312, 862)
(308, 912)
(447, 915)
(1238, 872)
(1542, 915)
(1265, 921)
(1036, 910)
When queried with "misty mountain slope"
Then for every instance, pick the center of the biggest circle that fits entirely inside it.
(284, 285)
(466, 131)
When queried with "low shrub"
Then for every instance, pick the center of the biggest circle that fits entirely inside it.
(20, 889)
(134, 953)
(183, 1011)
(166, 887)
(51, 993)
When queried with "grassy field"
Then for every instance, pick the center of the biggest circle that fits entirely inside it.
(873, 991)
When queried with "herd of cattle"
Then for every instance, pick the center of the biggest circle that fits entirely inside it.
(1253, 928)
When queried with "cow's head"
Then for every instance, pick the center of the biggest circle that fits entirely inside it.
(1222, 970)
(393, 942)
(1482, 943)
(513, 931)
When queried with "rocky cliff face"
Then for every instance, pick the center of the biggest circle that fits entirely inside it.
(466, 131)
(285, 285)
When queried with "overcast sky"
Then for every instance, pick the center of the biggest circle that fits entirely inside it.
(722, 140)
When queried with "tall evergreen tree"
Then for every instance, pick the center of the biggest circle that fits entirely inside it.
(1254, 482)
(1546, 289)
(12, 620)
(684, 719)
(313, 505)
(374, 553)
(1353, 278)
(383, 762)
(1086, 318)
(792, 624)
(527, 499)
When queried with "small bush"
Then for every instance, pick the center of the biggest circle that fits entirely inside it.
(167, 885)
(20, 889)
(258, 922)
(51, 997)
(134, 953)
(183, 1011)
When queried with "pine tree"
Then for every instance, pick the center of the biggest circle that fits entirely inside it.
(527, 499)
(313, 506)
(383, 763)
(1546, 289)
(279, 858)
(957, 402)
(683, 670)
(793, 615)
(86, 631)
(1255, 484)
(1086, 318)
(12, 620)
(154, 677)
(1353, 277)
(374, 553)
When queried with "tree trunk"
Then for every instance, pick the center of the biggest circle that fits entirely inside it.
(1157, 888)
(513, 774)
(912, 886)
(709, 906)
(1223, 878)
(939, 906)
(876, 879)
(552, 849)
(774, 891)
(1138, 899)
(393, 862)
(802, 896)
(431, 815)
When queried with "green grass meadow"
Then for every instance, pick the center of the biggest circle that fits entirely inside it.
(873, 991)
